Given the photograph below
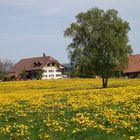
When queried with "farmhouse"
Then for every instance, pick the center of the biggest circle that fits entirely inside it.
(32, 68)
(133, 69)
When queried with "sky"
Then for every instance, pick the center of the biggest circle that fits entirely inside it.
(30, 27)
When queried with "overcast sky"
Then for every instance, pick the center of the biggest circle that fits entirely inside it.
(30, 27)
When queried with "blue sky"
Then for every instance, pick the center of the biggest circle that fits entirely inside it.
(30, 27)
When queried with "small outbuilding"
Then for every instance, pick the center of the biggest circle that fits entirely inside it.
(133, 69)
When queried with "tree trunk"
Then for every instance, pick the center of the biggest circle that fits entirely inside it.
(105, 82)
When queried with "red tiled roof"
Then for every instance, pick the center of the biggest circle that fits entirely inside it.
(133, 64)
(28, 64)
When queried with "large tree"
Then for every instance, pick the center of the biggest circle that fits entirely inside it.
(100, 43)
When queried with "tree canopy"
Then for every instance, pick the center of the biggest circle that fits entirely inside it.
(100, 43)
(5, 66)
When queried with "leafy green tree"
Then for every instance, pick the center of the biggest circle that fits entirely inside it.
(32, 74)
(24, 74)
(99, 44)
(39, 73)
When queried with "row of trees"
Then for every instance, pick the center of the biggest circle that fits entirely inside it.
(100, 44)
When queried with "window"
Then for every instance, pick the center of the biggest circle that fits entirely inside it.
(58, 70)
(51, 70)
(51, 75)
(48, 64)
(58, 75)
(37, 64)
(53, 64)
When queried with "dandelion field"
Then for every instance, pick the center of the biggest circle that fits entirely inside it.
(70, 109)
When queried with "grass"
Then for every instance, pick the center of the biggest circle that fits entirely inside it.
(71, 109)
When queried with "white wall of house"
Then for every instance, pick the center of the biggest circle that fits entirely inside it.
(52, 72)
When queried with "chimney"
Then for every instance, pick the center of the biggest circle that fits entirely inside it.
(44, 55)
